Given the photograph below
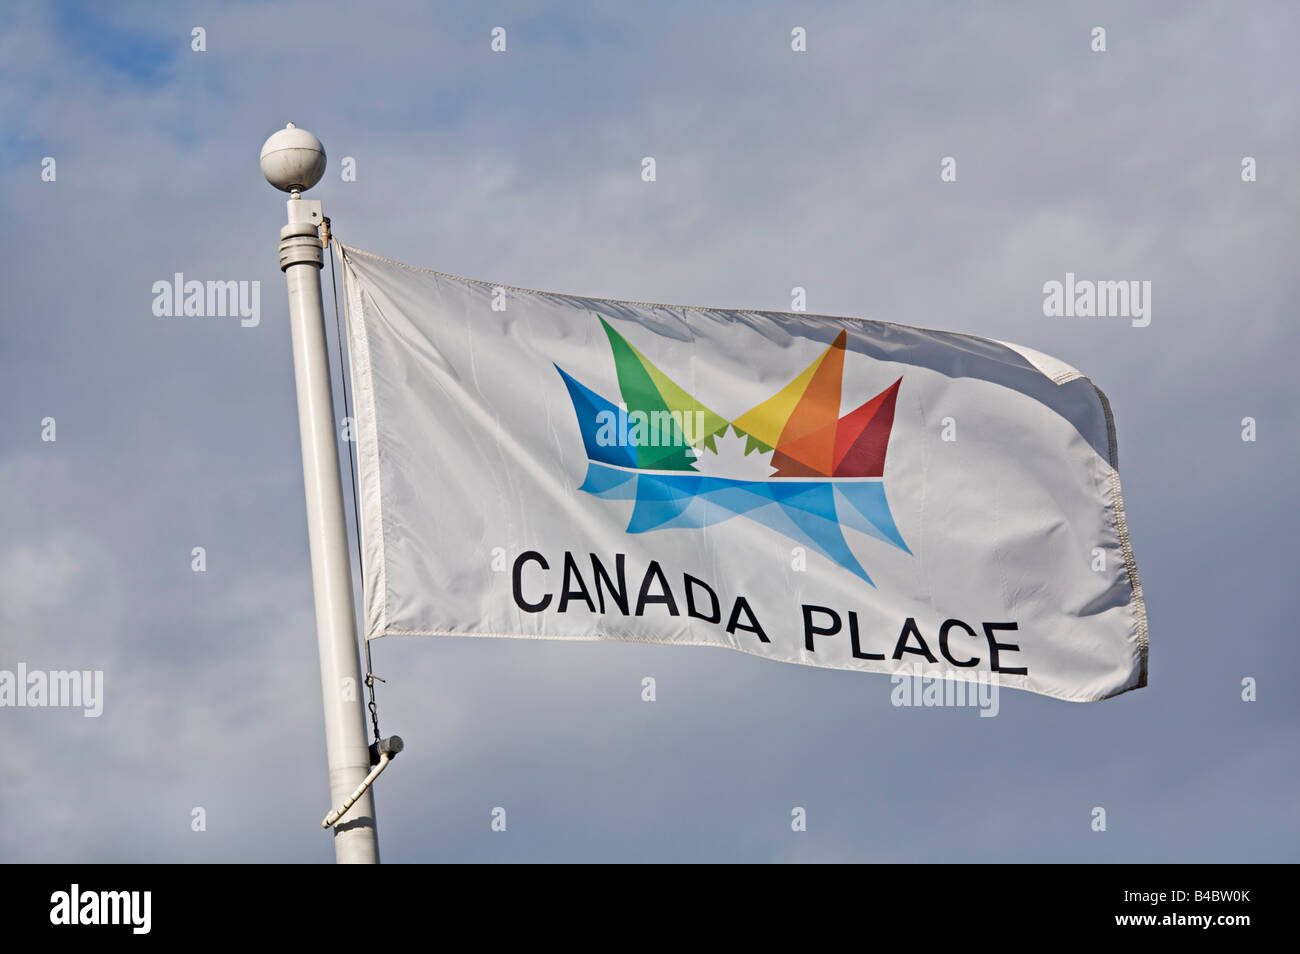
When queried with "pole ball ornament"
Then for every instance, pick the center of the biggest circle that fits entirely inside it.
(293, 160)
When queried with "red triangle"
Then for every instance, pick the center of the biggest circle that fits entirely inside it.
(863, 436)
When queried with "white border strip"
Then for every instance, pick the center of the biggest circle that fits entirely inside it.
(368, 476)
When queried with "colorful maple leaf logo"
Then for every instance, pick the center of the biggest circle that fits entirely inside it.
(827, 470)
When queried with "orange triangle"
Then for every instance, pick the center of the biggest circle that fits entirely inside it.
(789, 467)
(809, 456)
(815, 416)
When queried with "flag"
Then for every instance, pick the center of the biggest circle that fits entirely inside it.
(827, 491)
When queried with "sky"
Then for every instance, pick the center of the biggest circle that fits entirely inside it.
(774, 169)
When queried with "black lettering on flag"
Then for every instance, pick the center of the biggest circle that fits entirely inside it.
(853, 640)
(734, 623)
(653, 572)
(715, 615)
(522, 603)
(943, 642)
(996, 647)
(909, 629)
(572, 575)
(809, 630)
(617, 594)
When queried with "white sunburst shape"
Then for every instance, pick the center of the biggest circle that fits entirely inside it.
(731, 461)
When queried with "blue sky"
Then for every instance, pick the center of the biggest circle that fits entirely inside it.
(775, 169)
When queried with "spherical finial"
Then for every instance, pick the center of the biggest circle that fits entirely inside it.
(293, 159)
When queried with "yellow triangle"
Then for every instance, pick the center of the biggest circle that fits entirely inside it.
(766, 421)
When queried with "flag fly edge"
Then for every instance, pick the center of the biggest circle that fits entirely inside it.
(1126, 546)
(1061, 373)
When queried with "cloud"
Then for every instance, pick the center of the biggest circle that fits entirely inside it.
(775, 169)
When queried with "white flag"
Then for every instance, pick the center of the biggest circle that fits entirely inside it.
(826, 491)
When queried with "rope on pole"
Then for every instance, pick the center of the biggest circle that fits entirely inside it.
(385, 749)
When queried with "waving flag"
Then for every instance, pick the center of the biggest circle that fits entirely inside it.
(826, 491)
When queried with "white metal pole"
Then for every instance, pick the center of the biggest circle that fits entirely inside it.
(293, 160)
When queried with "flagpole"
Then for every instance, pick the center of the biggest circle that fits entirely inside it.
(293, 160)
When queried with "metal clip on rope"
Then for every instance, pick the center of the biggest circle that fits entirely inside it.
(381, 753)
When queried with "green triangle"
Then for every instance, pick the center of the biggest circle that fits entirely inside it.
(645, 388)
